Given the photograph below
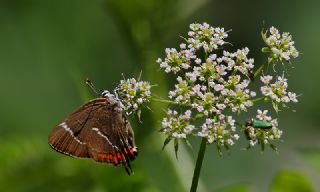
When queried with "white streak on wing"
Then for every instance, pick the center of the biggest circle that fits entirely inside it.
(105, 137)
(65, 126)
(66, 153)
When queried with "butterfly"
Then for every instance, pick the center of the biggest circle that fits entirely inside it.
(98, 130)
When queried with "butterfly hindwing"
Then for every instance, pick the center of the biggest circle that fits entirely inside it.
(112, 136)
(97, 130)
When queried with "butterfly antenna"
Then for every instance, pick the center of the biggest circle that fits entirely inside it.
(90, 84)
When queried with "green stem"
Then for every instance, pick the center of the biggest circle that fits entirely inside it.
(168, 102)
(163, 101)
(259, 70)
(258, 99)
(197, 169)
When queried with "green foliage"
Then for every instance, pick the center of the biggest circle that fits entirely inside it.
(29, 165)
(235, 188)
(293, 181)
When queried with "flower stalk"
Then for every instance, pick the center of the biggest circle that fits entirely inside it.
(197, 169)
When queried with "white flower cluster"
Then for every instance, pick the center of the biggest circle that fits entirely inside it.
(133, 94)
(281, 46)
(277, 91)
(205, 36)
(220, 130)
(201, 36)
(177, 125)
(260, 135)
(175, 61)
(216, 84)
(210, 85)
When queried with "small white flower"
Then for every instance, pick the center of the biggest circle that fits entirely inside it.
(183, 46)
(266, 79)
(198, 61)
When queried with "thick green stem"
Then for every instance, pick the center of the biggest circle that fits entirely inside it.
(197, 169)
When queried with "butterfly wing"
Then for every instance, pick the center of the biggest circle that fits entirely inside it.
(111, 138)
(65, 137)
(97, 130)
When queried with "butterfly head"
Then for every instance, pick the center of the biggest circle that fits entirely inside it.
(106, 94)
(113, 98)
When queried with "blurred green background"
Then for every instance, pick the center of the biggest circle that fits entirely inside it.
(48, 48)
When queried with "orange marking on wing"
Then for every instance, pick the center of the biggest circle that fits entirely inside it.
(131, 151)
(115, 160)
(102, 155)
(119, 156)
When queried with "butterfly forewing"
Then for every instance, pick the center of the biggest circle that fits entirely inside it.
(97, 130)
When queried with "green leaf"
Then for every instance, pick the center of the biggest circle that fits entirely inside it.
(139, 115)
(166, 142)
(264, 35)
(274, 148)
(235, 188)
(293, 181)
(265, 50)
(176, 147)
(275, 106)
(188, 143)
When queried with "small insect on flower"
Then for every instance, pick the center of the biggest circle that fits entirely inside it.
(262, 130)
(259, 124)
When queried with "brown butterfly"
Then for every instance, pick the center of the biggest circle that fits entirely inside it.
(99, 130)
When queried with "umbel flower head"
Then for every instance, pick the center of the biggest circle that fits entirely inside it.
(133, 94)
(177, 125)
(210, 85)
(213, 86)
(280, 46)
(277, 91)
(221, 130)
